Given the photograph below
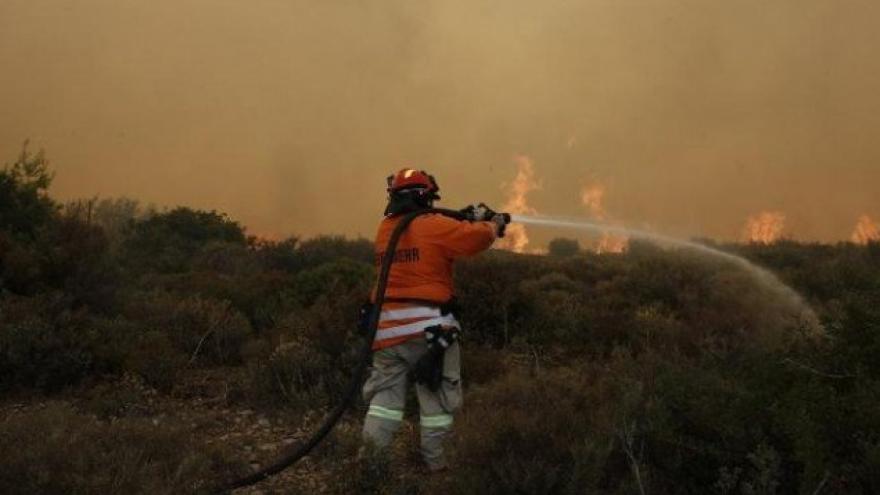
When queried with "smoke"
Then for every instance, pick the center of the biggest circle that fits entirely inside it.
(289, 114)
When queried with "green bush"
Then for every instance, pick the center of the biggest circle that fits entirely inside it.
(169, 242)
(25, 205)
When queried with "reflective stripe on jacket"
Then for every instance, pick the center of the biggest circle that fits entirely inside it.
(400, 322)
(421, 270)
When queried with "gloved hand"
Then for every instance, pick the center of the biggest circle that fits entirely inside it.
(500, 220)
(478, 213)
(482, 213)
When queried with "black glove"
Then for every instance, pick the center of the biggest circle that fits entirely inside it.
(478, 213)
(501, 220)
(482, 213)
(428, 370)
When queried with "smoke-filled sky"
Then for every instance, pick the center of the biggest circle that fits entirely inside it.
(288, 114)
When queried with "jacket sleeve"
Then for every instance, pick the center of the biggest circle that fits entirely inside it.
(461, 238)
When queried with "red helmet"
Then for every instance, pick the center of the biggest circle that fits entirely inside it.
(409, 178)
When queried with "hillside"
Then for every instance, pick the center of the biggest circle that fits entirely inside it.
(161, 351)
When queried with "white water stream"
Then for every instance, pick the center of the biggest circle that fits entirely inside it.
(805, 313)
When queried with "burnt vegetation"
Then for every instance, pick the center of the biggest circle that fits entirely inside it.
(655, 371)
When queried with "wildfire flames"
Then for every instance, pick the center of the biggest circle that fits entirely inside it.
(866, 231)
(764, 228)
(516, 238)
(592, 197)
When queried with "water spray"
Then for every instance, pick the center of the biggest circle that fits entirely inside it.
(763, 276)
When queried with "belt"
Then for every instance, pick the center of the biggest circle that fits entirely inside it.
(428, 317)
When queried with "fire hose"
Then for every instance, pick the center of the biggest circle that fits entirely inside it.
(352, 388)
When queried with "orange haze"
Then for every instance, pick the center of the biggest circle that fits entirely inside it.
(289, 114)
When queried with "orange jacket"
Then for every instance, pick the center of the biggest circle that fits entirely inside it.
(422, 265)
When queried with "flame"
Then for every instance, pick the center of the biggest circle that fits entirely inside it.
(765, 227)
(516, 238)
(866, 231)
(611, 243)
(592, 197)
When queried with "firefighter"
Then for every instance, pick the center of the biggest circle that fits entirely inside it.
(417, 336)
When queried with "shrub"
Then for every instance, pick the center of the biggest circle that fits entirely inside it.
(155, 359)
(294, 374)
(530, 447)
(225, 258)
(327, 249)
(561, 247)
(45, 345)
(40, 353)
(24, 203)
(21, 271)
(204, 329)
(75, 258)
(368, 473)
(316, 352)
(56, 450)
(258, 294)
(168, 242)
(336, 277)
(278, 255)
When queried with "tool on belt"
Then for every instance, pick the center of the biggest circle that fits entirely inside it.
(428, 370)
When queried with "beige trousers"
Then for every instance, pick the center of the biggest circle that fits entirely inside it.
(385, 391)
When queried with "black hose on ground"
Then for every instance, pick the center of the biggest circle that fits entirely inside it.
(357, 375)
